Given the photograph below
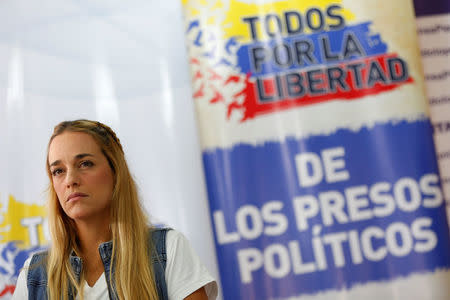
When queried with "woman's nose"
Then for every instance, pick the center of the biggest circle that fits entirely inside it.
(72, 178)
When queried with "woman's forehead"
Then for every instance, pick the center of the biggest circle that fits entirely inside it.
(70, 144)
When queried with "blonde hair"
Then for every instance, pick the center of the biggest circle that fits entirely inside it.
(133, 277)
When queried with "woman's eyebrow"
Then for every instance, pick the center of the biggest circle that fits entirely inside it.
(78, 156)
(56, 162)
(82, 155)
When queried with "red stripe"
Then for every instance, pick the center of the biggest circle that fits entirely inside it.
(252, 107)
(8, 289)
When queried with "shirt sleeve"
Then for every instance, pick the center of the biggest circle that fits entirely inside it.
(185, 273)
(21, 291)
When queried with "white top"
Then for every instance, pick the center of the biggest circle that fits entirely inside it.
(184, 274)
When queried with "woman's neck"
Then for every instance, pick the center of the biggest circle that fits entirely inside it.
(90, 235)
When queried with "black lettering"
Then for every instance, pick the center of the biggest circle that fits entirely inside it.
(357, 77)
(329, 56)
(279, 87)
(262, 91)
(259, 55)
(310, 19)
(332, 12)
(398, 70)
(293, 28)
(376, 74)
(437, 128)
(294, 85)
(276, 25)
(441, 127)
(282, 55)
(314, 82)
(304, 49)
(336, 77)
(352, 47)
(251, 22)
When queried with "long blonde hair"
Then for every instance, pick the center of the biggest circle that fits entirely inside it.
(133, 277)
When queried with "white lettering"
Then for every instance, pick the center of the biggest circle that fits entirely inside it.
(366, 243)
(358, 204)
(332, 204)
(249, 260)
(334, 165)
(279, 220)
(305, 178)
(402, 188)
(427, 239)
(255, 228)
(32, 225)
(304, 208)
(401, 246)
(429, 186)
(270, 265)
(223, 236)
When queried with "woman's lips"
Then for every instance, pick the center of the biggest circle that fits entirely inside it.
(75, 196)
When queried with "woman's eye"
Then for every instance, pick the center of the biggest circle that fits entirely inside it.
(56, 172)
(86, 163)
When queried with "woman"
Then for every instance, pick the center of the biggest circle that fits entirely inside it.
(102, 246)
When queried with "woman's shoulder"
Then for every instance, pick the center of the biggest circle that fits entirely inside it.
(33, 267)
(168, 237)
(176, 239)
(185, 272)
(168, 241)
(37, 266)
(158, 238)
(159, 232)
(38, 256)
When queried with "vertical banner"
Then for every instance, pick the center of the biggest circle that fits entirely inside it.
(433, 28)
(318, 149)
(22, 233)
(23, 217)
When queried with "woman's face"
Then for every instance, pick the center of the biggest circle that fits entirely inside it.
(81, 176)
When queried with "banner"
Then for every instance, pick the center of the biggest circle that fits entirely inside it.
(318, 150)
(23, 232)
(433, 28)
(23, 215)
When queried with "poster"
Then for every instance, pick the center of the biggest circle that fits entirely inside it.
(433, 29)
(317, 150)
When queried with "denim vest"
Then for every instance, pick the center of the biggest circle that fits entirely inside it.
(37, 272)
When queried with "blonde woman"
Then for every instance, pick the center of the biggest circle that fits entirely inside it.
(102, 246)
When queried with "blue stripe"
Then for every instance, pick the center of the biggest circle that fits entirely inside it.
(257, 174)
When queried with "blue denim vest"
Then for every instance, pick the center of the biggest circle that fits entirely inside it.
(37, 272)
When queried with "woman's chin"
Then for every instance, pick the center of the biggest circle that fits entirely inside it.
(79, 214)
(83, 214)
